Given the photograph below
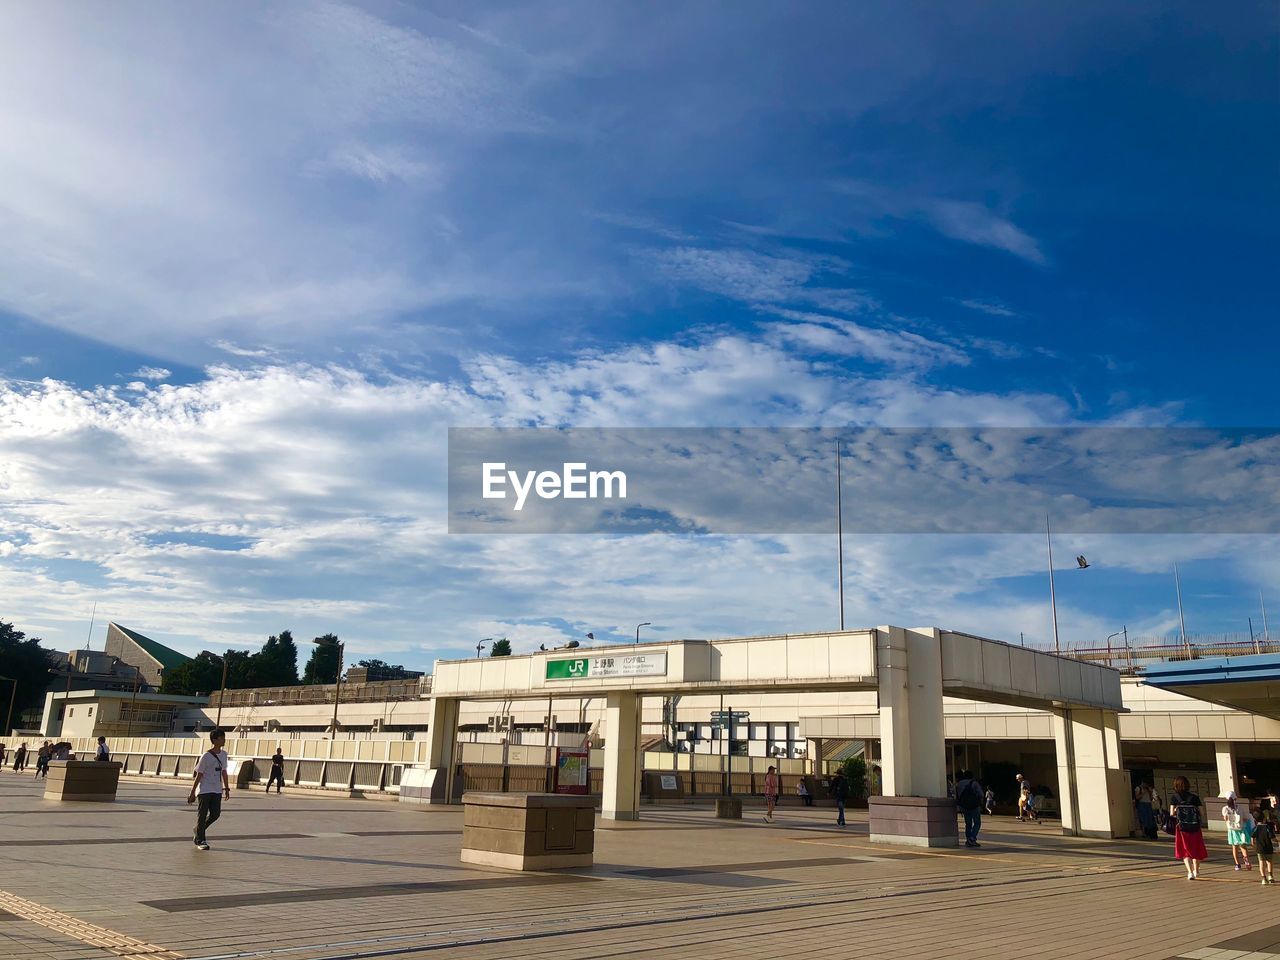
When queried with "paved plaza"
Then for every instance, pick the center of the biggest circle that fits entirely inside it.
(302, 877)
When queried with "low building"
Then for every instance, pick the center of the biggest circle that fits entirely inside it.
(113, 713)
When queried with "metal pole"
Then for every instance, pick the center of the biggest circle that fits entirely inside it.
(133, 704)
(222, 691)
(1177, 583)
(13, 695)
(1265, 635)
(337, 692)
(839, 533)
(1127, 648)
(638, 626)
(1053, 597)
(728, 763)
(88, 641)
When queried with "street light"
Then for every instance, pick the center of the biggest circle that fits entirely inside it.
(337, 684)
(480, 645)
(222, 691)
(1124, 631)
(13, 695)
(133, 702)
(638, 626)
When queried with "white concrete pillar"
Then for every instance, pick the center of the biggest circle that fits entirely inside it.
(1228, 776)
(442, 751)
(621, 800)
(912, 744)
(1093, 790)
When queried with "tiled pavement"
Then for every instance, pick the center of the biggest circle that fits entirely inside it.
(305, 878)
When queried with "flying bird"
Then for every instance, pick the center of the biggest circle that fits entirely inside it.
(1081, 562)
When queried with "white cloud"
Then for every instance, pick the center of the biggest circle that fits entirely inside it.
(152, 373)
(840, 337)
(975, 223)
(336, 482)
(993, 308)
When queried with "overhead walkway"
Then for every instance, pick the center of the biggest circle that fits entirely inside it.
(1249, 683)
(911, 670)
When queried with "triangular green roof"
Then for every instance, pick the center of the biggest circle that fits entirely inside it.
(169, 659)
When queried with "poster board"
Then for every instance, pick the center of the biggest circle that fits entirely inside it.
(573, 770)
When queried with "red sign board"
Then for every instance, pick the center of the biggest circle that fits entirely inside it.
(573, 770)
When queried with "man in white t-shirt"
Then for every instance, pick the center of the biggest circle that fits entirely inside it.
(211, 786)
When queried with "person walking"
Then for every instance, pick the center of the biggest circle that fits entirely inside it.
(802, 791)
(43, 756)
(1239, 836)
(969, 797)
(211, 786)
(1143, 796)
(277, 771)
(102, 753)
(1023, 787)
(840, 790)
(20, 759)
(770, 793)
(1264, 839)
(1029, 801)
(3, 752)
(1188, 839)
(989, 802)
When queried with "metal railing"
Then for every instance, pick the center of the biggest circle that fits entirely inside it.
(1133, 657)
(373, 691)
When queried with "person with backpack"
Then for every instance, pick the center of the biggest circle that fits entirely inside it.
(103, 752)
(969, 797)
(43, 756)
(1186, 808)
(1239, 835)
(211, 786)
(840, 790)
(1264, 839)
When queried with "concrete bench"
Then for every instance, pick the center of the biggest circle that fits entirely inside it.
(94, 780)
(528, 831)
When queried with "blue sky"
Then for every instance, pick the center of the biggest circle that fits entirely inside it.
(255, 261)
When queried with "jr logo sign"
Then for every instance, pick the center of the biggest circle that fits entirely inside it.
(594, 668)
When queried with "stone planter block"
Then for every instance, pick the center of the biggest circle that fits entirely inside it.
(728, 808)
(914, 821)
(94, 780)
(528, 831)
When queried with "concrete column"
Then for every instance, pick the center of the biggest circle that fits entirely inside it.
(1228, 776)
(912, 745)
(914, 807)
(621, 799)
(433, 785)
(1093, 790)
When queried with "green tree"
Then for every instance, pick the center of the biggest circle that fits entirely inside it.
(855, 772)
(323, 665)
(500, 648)
(199, 676)
(24, 660)
(276, 664)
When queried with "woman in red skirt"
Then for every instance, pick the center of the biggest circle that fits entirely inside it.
(1187, 811)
